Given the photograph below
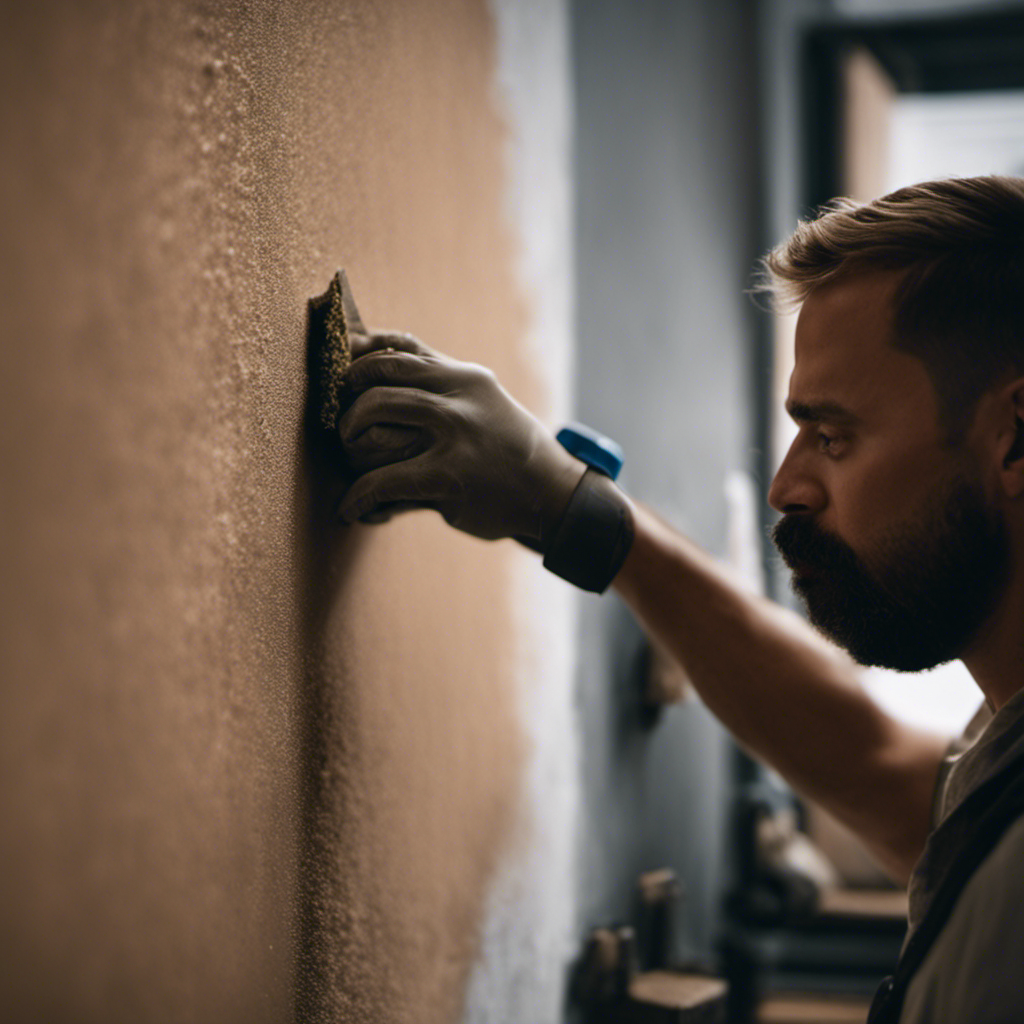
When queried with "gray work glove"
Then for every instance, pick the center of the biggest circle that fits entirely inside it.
(427, 431)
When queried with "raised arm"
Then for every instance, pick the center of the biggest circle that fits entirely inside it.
(787, 695)
(491, 469)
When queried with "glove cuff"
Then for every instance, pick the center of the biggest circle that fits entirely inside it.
(594, 535)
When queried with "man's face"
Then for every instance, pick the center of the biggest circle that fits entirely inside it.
(898, 551)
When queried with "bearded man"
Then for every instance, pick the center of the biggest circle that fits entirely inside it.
(902, 518)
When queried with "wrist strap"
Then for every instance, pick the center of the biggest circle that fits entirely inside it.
(594, 536)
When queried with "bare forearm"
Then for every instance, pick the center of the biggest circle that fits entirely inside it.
(786, 695)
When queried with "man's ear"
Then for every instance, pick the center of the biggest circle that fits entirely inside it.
(1011, 440)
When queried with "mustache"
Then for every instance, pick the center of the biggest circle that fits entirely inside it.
(802, 542)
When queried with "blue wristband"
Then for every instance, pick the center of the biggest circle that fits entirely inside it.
(595, 533)
(596, 450)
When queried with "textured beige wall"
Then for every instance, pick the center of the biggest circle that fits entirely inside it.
(251, 767)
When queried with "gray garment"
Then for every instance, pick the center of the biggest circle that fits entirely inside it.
(973, 970)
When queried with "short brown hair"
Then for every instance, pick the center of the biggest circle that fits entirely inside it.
(960, 304)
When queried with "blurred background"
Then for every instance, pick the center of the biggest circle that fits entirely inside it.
(256, 767)
(692, 160)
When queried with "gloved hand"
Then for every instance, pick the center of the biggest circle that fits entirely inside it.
(428, 431)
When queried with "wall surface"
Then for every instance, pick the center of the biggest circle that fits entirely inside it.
(666, 236)
(528, 935)
(254, 767)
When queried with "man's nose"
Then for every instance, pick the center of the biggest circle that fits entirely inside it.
(795, 488)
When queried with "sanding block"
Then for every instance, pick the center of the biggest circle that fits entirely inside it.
(333, 319)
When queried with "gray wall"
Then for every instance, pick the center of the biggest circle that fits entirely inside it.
(666, 233)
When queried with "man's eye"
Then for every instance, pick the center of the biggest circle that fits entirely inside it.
(827, 443)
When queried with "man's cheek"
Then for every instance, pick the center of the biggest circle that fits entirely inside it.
(863, 514)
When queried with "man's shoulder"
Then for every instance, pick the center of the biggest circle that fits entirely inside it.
(972, 971)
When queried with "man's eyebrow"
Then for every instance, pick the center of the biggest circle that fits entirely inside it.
(820, 412)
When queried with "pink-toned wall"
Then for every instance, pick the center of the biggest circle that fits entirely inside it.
(252, 767)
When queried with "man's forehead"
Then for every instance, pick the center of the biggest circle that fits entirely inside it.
(845, 361)
(848, 319)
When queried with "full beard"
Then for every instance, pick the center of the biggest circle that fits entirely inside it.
(933, 583)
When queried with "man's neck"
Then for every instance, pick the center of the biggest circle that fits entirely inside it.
(996, 658)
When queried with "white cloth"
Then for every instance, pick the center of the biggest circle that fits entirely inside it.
(974, 972)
